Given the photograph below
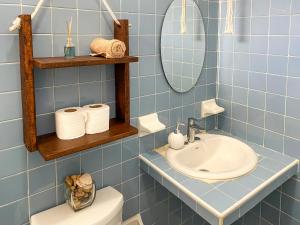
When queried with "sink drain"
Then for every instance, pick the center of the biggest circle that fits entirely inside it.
(204, 170)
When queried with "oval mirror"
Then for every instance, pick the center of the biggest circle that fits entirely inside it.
(183, 45)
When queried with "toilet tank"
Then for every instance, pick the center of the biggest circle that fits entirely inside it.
(106, 210)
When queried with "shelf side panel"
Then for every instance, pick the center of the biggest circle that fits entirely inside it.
(27, 83)
(122, 75)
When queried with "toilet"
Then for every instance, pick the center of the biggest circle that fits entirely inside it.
(106, 210)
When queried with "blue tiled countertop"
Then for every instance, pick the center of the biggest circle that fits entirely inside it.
(222, 203)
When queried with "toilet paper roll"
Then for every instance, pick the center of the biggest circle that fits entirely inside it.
(70, 123)
(97, 118)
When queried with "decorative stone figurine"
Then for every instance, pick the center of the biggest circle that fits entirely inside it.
(80, 191)
(69, 49)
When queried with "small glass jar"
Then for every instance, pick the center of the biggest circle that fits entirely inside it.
(80, 197)
(69, 52)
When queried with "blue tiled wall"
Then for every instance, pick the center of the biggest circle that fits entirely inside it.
(28, 184)
(259, 85)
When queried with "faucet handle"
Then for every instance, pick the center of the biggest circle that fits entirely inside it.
(192, 120)
(178, 127)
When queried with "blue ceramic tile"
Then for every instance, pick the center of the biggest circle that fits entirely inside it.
(255, 134)
(131, 208)
(259, 44)
(15, 213)
(11, 106)
(285, 219)
(130, 188)
(12, 127)
(293, 87)
(273, 141)
(64, 76)
(271, 165)
(295, 25)
(161, 163)
(108, 91)
(198, 187)
(259, 25)
(94, 23)
(89, 4)
(8, 44)
(290, 206)
(91, 161)
(13, 188)
(275, 103)
(147, 105)
(274, 122)
(41, 179)
(65, 4)
(240, 78)
(42, 45)
(112, 155)
(234, 189)
(218, 200)
(67, 167)
(276, 84)
(279, 25)
(250, 181)
(274, 199)
(89, 93)
(44, 99)
(130, 169)
(147, 85)
(66, 96)
(239, 112)
(277, 65)
(42, 23)
(13, 161)
(11, 82)
(262, 173)
(258, 63)
(278, 45)
(239, 95)
(290, 147)
(294, 67)
(256, 117)
(60, 16)
(270, 214)
(292, 188)
(291, 107)
(148, 22)
(9, 13)
(42, 201)
(112, 175)
(260, 7)
(89, 73)
(257, 99)
(257, 81)
(292, 127)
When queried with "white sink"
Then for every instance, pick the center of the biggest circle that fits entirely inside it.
(214, 157)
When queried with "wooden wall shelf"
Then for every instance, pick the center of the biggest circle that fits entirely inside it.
(49, 145)
(60, 62)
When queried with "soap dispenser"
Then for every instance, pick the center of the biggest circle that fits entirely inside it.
(176, 138)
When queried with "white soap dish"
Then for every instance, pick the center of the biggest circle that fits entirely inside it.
(210, 107)
(149, 124)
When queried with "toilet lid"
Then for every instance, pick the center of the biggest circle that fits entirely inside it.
(107, 204)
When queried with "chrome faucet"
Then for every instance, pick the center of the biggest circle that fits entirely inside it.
(192, 128)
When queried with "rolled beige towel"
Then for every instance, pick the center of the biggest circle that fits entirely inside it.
(108, 48)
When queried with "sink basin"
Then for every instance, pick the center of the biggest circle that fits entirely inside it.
(214, 157)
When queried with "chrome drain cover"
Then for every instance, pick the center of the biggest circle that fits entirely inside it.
(204, 170)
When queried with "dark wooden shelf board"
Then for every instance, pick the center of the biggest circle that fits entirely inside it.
(60, 62)
(51, 147)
